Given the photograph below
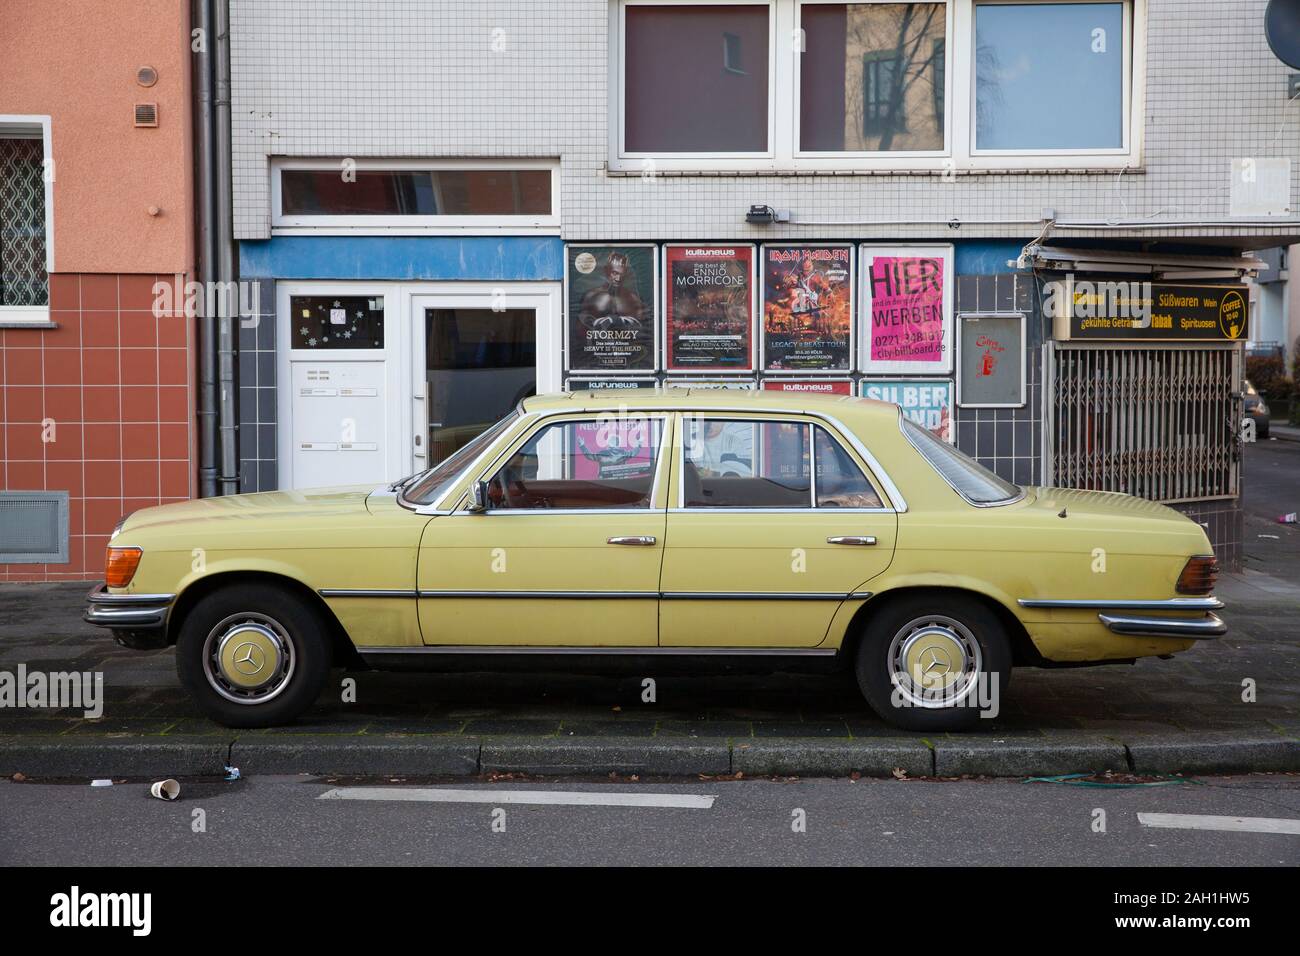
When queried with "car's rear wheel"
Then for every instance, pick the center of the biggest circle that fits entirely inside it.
(253, 656)
(934, 662)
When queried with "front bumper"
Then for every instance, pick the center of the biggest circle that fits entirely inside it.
(137, 620)
(1205, 626)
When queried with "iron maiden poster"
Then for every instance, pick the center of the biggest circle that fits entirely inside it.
(709, 308)
(906, 309)
(610, 308)
(807, 308)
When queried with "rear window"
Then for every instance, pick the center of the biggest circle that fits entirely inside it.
(968, 477)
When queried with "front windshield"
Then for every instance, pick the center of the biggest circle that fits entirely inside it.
(434, 483)
(968, 477)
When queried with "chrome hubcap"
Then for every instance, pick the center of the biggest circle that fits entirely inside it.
(248, 658)
(934, 661)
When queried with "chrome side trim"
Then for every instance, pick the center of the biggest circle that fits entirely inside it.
(136, 612)
(1170, 604)
(750, 596)
(1199, 629)
(568, 649)
(363, 593)
(536, 595)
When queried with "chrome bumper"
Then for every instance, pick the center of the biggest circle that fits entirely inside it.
(1208, 625)
(127, 612)
(1195, 629)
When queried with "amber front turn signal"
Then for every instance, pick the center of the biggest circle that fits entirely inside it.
(1199, 575)
(120, 565)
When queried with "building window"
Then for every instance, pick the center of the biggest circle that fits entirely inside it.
(1049, 76)
(24, 223)
(945, 85)
(871, 77)
(696, 78)
(383, 195)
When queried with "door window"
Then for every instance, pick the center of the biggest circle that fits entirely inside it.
(840, 482)
(570, 465)
(766, 464)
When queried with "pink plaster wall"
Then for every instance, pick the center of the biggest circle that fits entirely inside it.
(75, 61)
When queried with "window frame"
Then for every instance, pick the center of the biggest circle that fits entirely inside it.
(678, 495)
(1127, 98)
(784, 155)
(34, 126)
(486, 472)
(301, 225)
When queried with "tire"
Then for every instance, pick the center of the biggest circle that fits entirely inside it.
(960, 636)
(1261, 428)
(254, 655)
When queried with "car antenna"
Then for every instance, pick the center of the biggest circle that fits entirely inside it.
(1062, 513)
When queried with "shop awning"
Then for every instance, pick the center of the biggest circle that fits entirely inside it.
(1157, 265)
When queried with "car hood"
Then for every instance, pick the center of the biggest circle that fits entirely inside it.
(313, 501)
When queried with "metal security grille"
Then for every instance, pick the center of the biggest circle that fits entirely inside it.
(1162, 424)
(23, 280)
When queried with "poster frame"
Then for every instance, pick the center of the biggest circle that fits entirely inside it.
(868, 366)
(703, 372)
(761, 312)
(964, 317)
(655, 318)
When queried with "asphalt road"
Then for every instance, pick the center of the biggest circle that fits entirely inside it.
(288, 820)
(1271, 487)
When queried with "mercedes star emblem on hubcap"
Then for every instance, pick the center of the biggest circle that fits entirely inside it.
(248, 659)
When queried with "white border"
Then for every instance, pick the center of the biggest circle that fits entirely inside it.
(1024, 390)
(20, 125)
(762, 310)
(666, 273)
(283, 225)
(632, 373)
(866, 251)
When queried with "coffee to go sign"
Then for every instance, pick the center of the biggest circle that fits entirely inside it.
(1092, 310)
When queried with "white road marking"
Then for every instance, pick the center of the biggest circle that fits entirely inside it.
(554, 798)
(1193, 821)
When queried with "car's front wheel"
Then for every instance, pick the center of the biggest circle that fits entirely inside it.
(253, 655)
(934, 662)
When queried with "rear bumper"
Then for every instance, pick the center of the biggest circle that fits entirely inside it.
(1205, 625)
(137, 620)
(1196, 629)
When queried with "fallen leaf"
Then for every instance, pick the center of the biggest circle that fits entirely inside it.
(899, 773)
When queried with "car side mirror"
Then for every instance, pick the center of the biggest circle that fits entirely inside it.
(478, 497)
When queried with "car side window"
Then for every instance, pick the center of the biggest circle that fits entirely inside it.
(568, 465)
(745, 464)
(840, 482)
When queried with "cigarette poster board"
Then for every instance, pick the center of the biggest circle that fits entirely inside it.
(610, 294)
(991, 360)
(905, 309)
(807, 296)
(709, 305)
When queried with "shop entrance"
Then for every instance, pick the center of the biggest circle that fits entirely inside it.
(477, 353)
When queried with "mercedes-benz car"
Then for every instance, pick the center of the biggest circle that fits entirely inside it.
(671, 525)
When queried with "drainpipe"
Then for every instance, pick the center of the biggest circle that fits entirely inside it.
(201, 62)
(227, 269)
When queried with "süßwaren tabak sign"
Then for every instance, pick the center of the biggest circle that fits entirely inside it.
(1089, 310)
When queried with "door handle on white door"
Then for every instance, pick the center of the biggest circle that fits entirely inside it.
(860, 539)
(643, 540)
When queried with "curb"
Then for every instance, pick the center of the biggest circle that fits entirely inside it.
(1047, 755)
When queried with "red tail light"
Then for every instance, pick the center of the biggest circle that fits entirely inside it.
(1199, 575)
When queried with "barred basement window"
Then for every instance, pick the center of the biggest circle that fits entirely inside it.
(23, 279)
(1162, 424)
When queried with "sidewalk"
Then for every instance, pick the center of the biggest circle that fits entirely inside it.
(1183, 715)
(1284, 432)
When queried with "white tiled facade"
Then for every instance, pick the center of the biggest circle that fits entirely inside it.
(498, 78)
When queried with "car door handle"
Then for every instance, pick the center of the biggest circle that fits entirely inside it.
(641, 540)
(860, 539)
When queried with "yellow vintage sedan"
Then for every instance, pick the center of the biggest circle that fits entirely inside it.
(674, 525)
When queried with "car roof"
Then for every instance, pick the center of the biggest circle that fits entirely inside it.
(686, 399)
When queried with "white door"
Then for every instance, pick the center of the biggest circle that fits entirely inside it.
(339, 384)
(477, 350)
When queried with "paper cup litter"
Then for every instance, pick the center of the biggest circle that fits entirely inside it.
(166, 789)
